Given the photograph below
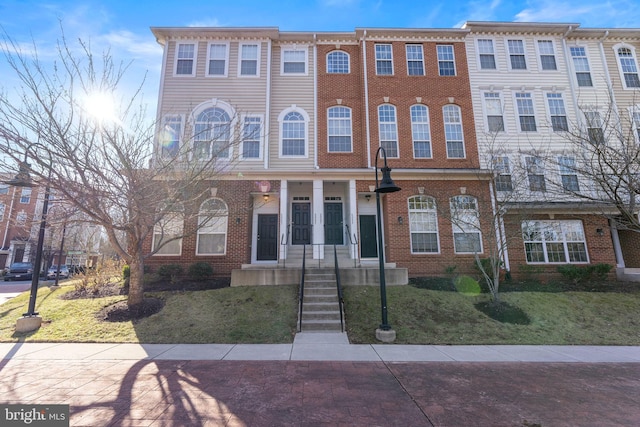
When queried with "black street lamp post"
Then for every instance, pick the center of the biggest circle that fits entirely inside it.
(384, 333)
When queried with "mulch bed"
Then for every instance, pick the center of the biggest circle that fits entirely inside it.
(121, 312)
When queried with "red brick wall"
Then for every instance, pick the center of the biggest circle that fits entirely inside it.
(630, 243)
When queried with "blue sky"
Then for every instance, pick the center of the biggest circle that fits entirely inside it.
(123, 25)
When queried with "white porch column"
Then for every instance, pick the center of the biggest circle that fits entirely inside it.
(284, 218)
(318, 219)
(353, 218)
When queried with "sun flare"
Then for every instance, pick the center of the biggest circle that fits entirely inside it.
(101, 106)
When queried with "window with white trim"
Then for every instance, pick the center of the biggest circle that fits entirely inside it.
(2, 208)
(421, 132)
(526, 113)
(4, 189)
(25, 195)
(415, 60)
(251, 137)
(384, 60)
(554, 242)
(535, 174)
(486, 54)
(338, 62)
(503, 173)
(581, 66)
(293, 131)
(568, 174)
(465, 219)
(453, 131)
(294, 61)
(388, 129)
(635, 120)
(212, 134)
(168, 231)
(185, 59)
(557, 112)
(446, 60)
(217, 63)
(517, 57)
(629, 67)
(423, 225)
(249, 54)
(21, 218)
(339, 129)
(547, 55)
(494, 111)
(169, 138)
(213, 220)
(594, 127)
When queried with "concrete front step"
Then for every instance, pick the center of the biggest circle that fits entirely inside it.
(321, 325)
(320, 315)
(320, 306)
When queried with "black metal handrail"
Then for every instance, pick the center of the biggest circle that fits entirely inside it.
(301, 291)
(338, 286)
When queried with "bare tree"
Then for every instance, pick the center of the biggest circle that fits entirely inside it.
(101, 159)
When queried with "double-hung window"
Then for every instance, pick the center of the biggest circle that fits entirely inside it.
(517, 54)
(25, 195)
(465, 219)
(337, 62)
(635, 120)
(249, 60)
(4, 189)
(526, 113)
(294, 61)
(502, 170)
(2, 208)
(384, 60)
(629, 67)
(415, 60)
(453, 131)
(420, 131)
(594, 127)
(388, 129)
(339, 129)
(567, 166)
(212, 228)
(547, 55)
(251, 137)
(547, 242)
(535, 174)
(185, 59)
(493, 108)
(487, 54)
(423, 225)
(170, 137)
(168, 231)
(218, 60)
(557, 112)
(446, 60)
(581, 66)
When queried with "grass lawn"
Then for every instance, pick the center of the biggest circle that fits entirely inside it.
(265, 314)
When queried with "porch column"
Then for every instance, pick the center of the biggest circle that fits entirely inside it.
(353, 219)
(284, 219)
(318, 219)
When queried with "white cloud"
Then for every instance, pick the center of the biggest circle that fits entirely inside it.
(588, 13)
(213, 22)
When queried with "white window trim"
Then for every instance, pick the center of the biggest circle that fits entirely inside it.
(226, 232)
(543, 168)
(195, 59)
(620, 71)
(180, 240)
(395, 109)
(258, 55)
(25, 193)
(375, 58)
(348, 61)
(180, 137)
(226, 60)
(485, 111)
(548, 108)
(539, 54)
(2, 209)
(413, 138)
(424, 71)
(295, 48)
(437, 231)
(575, 71)
(281, 116)
(444, 123)
(457, 228)
(517, 112)
(564, 242)
(233, 124)
(495, 56)
(453, 52)
(260, 139)
(635, 125)
(508, 54)
(350, 130)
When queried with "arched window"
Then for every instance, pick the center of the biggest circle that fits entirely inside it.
(168, 231)
(421, 132)
(453, 131)
(212, 134)
(465, 218)
(293, 130)
(213, 219)
(337, 62)
(388, 129)
(339, 129)
(423, 225)
(629, 67)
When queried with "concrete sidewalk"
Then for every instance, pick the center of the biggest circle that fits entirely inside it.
(322, 347)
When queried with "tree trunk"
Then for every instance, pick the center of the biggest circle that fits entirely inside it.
(136, 281)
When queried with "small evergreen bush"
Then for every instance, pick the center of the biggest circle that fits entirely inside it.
(200, 271)
(170, 271)
(581, 274)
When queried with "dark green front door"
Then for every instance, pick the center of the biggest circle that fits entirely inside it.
(333, 231)
(301, 228)
(267, 237)
(368, 240)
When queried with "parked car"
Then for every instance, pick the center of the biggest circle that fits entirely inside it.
(19, 271)
(63, 272)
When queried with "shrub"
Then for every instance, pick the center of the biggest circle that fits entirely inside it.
(170, 271)
(200, 271)
(582, 274)
(126, 271)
